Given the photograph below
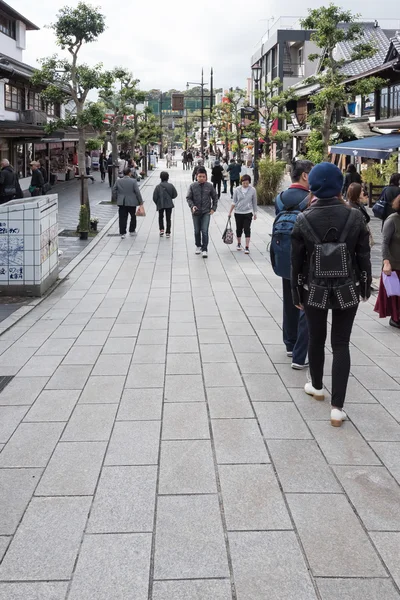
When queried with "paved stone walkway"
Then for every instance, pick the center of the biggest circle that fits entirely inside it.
(158, 446)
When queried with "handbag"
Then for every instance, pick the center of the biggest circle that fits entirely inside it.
(380, 207)
(227, 236)
(140, 212)
(392, 284)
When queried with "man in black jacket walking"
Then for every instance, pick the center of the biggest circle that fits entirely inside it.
(8, 183)
(202, 199)
(37, 181)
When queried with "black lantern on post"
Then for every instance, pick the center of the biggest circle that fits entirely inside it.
(256, 78)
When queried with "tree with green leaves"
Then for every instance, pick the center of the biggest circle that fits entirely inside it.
(120, 96)
(332, 25)
(272, 100)
(149, 131)
(64, 79)
(227, 119)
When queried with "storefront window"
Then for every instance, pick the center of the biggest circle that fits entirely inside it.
(13, 98)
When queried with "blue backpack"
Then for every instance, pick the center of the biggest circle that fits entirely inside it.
(381, 207)
(281, 243)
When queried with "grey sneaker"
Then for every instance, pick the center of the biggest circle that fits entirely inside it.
(198, 250)
(297, 367)
(123, 236)
(205, 254)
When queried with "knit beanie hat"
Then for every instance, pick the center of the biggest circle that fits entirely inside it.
(325, 180)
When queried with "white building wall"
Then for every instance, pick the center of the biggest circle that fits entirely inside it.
(6, 115)
(21, 35)
(9, 47)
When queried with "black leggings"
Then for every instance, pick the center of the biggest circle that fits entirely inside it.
(217, 186)
(234, 183)
(342, 324)
(168, 212)
(243, 223)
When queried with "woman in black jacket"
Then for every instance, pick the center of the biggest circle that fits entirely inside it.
(217, 175)
(331, 269)
(351, 177)
(356, 198)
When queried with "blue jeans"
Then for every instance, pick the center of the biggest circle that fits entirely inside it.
(201, 224)
(295, 327)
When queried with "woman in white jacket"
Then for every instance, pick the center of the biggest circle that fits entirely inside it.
(244, 204)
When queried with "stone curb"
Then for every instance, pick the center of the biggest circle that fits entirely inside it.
(64, 273)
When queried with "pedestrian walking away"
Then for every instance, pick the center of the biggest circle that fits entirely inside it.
(189, 157)
(163, 197)
(244, 204)
(8, 182)
(203, 202)
(217, 175)
(110, 168)
(197, 167)
(351, 177)
(331, 269)
(226, 175)
(88, 165)
(288, 205)
(389, 305)
(37, 181)
(234, 174)
(184, 160)
(102, 166)
(127, 193)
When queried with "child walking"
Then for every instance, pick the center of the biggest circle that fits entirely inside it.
(244, 204)
(163, 197)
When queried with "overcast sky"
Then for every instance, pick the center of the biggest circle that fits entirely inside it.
(165, 43)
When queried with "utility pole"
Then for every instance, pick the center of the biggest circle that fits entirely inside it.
(211, 100)
(161, 131)
(202, 114)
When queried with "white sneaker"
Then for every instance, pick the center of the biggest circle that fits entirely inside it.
(198, 250)
(132, 233)
(298, 367)
(337, 417)
(205, 254)
(289, 354)
(311, 391)
(123, 237)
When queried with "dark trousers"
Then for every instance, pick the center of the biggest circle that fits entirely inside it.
(123, 212)
(168, 212)
(217, 186)
(110, 170)
(342, 324)
(295, 328)
(102, 175)
(201, 224)
(225, 182)
(243, 223)
(234, 183)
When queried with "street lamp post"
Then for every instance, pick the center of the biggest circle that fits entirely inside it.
(257, 78)
(161, 125)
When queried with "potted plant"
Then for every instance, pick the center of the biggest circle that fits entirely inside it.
(93, 223)
(83, 222)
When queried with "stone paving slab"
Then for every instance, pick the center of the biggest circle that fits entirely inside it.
(155, 443)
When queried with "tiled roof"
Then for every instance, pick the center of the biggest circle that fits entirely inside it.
(371, 34)
(396, 41)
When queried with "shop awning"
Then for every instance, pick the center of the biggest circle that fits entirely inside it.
(378, 146)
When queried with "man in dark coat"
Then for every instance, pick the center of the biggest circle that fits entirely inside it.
(7, 182)
(37, 181)
(163, 197)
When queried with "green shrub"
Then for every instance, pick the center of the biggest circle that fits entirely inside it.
(84, 218)
(271, 173)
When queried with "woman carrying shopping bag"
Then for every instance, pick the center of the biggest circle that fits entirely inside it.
(244, 204)
(389, 305)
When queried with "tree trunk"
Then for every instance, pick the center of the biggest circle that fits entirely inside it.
(326, 129)
(84, 193)
(114, 150)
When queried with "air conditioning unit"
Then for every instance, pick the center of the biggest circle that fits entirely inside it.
(34, 117)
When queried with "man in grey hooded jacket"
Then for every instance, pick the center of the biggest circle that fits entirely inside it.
(203, 201)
